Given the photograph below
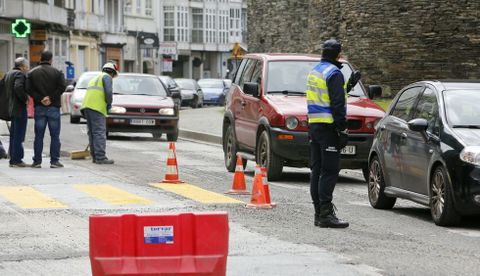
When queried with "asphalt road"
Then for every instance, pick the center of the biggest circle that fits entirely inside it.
(282, 241)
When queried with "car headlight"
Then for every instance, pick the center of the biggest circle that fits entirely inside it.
(292, 123)
(118, 110)
(471, 155)
(166, 111)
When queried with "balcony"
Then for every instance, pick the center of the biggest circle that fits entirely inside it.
(39, 11)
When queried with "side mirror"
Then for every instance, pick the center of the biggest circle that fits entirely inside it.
(70, 88)
(374, 91)
(251, 88)
(418, 124)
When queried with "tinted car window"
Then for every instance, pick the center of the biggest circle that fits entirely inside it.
(185, 84)
(288, 75)
(247, 73)
(138, 85)
(404, 107)
(462, 107)
(85, 79)
(257, 73)
(240, 70)
(427, 108)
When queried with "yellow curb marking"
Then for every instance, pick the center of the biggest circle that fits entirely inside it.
(195, 193)
(112, 195)
(29, 198)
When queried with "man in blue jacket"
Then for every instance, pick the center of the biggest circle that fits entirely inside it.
(326, 102)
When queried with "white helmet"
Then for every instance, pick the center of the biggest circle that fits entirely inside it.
(110, 67)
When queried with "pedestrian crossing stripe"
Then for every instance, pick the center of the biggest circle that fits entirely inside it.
(29, 198)
(195, 193)
(112, 195)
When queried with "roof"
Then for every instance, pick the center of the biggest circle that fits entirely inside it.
(454, 84)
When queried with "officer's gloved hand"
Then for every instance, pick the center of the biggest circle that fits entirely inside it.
(353, 80)
(342, 139)
(109, 106)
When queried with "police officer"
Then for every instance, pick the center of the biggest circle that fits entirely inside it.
(326, 101)
(96, 103)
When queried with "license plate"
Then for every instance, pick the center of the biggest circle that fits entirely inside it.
(138, 122)
(348, 150)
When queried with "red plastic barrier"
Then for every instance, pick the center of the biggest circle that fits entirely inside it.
(159, 244)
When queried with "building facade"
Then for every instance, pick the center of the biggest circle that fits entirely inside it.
(181, 38)
(203, 32)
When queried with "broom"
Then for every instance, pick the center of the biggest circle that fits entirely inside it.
(80, 154)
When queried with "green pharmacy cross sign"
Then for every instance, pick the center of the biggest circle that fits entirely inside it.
(21, 28)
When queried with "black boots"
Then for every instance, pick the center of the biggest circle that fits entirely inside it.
(325, 217)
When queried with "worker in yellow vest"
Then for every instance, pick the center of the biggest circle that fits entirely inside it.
(95, 106)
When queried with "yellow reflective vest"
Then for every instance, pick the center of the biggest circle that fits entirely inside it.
(318, 99)
(95, 96)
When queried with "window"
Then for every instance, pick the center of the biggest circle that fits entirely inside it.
(139, 7)
(239, 72)
(257, 73)
(59, 3)
(461, 107)
(427, 108)
(197, 27)
(64, 48)
(235, 23)
(182, 24)
(404, 105)
(247, 73)
(128, 7)
(57, 47)
(50, 44)
(169, 23)
(148, 8)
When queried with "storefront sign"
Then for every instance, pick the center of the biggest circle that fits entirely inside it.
(148, 41)
(168, 48)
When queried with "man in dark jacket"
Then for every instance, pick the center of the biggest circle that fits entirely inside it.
(46, 85)
(17, 108)
(327, 120)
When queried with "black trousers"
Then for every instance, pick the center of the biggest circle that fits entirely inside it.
(324, 162)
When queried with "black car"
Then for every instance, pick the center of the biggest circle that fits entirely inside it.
(173, 90)
(427, 149)
(191, 92)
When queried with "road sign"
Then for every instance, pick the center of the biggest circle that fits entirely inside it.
(21, 28)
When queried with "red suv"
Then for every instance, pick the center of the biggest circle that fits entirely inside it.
(266, 115)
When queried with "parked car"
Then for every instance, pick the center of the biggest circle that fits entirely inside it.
(214, 91)
(173, 89)
(141, 104)
(191, 92)
(266, 115)
(426, 149)
(78, 94)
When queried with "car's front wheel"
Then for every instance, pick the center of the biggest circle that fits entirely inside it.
(230, 149)
(194, 103)
(441, 199)
(376, 187)
(267, 158)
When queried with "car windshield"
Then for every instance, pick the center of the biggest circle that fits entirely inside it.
(85, 79)
(461, 108)
(210, 83)
(290, 77)
(138, 85)
(185, 84)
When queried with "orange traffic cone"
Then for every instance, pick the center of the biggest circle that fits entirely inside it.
(266, 188)
(238, 186)
(171, 175)
(259, 196)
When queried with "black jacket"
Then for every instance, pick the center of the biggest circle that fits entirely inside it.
(45, 80)
(16, 93)
(337, 97)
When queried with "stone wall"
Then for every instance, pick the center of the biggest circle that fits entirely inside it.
(392, 42)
